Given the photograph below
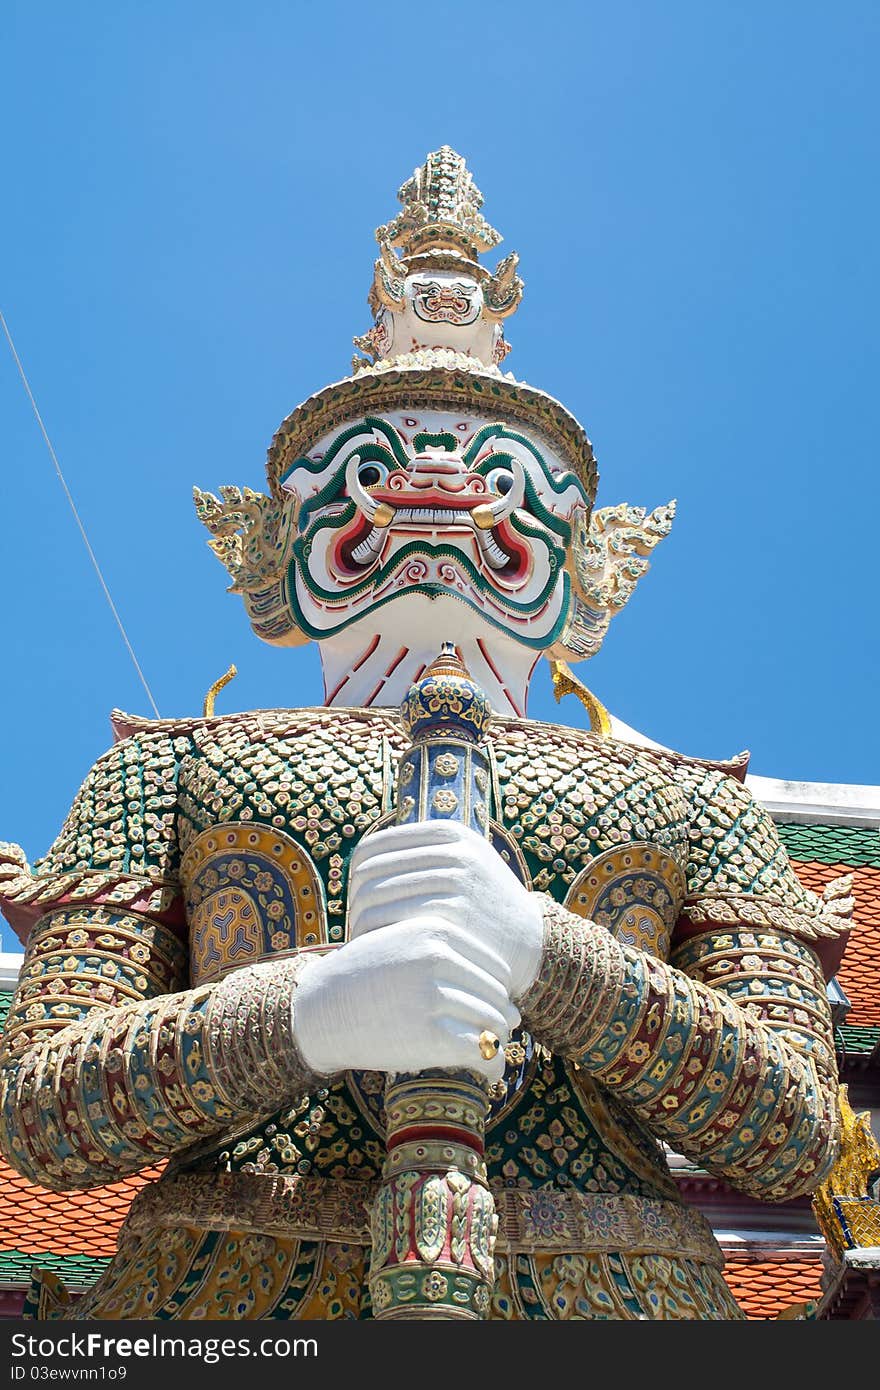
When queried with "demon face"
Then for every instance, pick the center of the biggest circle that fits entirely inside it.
(432, 504)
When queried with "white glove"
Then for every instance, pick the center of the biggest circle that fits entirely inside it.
(442, 869)
(406, 998)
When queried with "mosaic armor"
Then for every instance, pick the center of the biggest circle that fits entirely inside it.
(204, 870)
(148, 1024)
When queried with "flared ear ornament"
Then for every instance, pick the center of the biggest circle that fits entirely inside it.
(608, 556)
(504, 290)
(389, 274)
(253, 537)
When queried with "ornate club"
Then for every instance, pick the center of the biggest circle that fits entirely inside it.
(433, 1221)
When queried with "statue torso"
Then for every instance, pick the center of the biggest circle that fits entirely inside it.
(269, 807)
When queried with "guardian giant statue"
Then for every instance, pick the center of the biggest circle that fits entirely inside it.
(403, 1001)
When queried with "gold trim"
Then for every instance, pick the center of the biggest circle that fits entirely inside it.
(281, 720)
(530, 1221)
(832, 919)
(608, 871)
(565, 682)
(858, 1161)
(291, 860)
(442, 380)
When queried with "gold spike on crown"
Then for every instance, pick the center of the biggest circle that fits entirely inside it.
(441, 211)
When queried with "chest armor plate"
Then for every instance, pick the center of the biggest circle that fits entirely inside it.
(270, 816)
(271, 810)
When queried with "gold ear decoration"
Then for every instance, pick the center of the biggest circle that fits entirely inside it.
(505, 288)
(214, 691)
(609, 554)
(253, 537)
(565, 682)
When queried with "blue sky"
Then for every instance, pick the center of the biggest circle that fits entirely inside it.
(191, 192)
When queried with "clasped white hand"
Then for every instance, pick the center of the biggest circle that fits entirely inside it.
(443, 869)
(443, 939)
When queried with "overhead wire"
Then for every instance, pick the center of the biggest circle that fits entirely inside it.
(77, 518)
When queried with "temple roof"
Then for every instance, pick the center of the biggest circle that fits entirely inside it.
(767, 1288)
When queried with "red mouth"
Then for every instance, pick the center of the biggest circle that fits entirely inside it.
(456, 493)
(359, 545)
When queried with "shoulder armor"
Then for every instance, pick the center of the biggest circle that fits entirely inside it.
(118, 845)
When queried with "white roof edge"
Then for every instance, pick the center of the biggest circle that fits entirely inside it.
(10, 964)
(819, 803)
(826, 803)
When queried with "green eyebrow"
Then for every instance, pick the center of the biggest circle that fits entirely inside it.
(444, 440)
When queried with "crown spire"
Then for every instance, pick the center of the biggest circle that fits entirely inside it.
(429, 289)
(441, 211)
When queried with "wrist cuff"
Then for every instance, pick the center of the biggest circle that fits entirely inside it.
(254, 1055)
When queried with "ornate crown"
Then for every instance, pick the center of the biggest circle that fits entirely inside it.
(441, 211)
(441, 228)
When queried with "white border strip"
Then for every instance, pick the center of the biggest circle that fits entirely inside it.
(818, 803)
(10, 964)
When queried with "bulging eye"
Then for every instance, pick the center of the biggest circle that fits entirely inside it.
(372, 474)
(499, 481)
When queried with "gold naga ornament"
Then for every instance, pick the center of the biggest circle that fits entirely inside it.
(846, 1214)
(214, 690)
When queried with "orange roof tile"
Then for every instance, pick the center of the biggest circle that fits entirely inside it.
(765, 1288)
(859, 972)
(34, 1220)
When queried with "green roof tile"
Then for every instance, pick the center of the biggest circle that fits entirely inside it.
(831, 844)
(5, 1001)
(77, 1272)
(859, 1040)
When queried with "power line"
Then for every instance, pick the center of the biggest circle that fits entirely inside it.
(82, 529)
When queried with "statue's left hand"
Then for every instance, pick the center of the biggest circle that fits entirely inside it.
(442, 869)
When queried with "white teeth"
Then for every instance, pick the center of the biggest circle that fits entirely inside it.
(491, 550)
(428, 516)
(369, 547)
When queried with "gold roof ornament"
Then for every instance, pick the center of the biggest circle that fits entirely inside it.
(845, 1213)
(565, 682)
(214, 690)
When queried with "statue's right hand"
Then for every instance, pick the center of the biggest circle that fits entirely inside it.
(402, 998)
